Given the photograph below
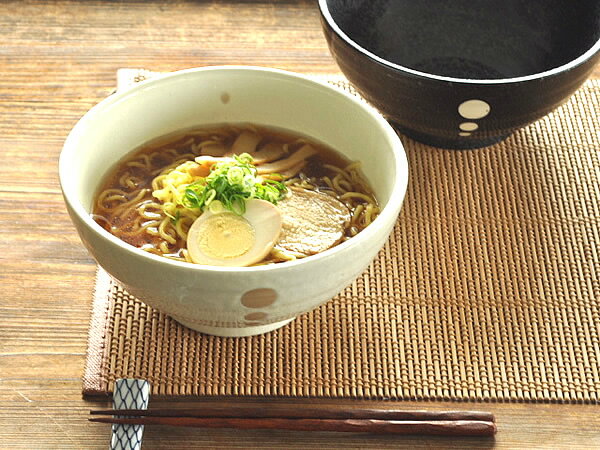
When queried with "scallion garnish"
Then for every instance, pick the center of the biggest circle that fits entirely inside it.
(231, 183)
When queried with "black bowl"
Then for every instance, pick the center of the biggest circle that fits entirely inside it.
(463, 73)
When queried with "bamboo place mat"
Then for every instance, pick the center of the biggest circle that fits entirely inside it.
(488, 289)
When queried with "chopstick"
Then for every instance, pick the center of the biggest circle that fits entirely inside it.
(453, 423)
(303, 413)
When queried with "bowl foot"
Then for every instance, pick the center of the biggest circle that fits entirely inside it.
(449, 143)
(236, 332)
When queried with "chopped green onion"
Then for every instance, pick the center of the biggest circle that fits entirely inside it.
(210, 196)
(216, 207)
(231, 183)
(235, 175)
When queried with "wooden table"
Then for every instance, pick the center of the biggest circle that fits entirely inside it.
(57, 59)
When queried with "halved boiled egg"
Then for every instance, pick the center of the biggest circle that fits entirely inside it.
(229, 239)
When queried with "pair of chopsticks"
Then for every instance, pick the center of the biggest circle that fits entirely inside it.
(384, 421)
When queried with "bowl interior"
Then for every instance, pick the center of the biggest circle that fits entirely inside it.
(473, 40)
(223, 95)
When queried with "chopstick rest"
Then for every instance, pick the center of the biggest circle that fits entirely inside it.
(129, 393)
(388, 421)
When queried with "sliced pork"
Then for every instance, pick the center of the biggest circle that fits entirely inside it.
(312, 222)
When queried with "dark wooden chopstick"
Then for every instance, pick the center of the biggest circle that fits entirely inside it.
(301, 413)
(450, 423)
(436, 427)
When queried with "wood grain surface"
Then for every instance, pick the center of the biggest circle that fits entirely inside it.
(57, 59)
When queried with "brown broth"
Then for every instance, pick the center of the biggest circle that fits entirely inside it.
(163, 151)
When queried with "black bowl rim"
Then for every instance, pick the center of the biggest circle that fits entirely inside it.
(484, 81)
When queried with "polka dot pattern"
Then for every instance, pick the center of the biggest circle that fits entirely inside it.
(259, 298)
(472, 109)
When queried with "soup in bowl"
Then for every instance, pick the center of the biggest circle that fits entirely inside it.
(233, 198)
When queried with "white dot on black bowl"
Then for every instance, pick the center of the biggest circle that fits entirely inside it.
(468, 126)
(474, 109)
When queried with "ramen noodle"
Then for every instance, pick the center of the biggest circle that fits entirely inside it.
(154, 195)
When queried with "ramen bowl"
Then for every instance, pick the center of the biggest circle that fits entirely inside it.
(463, 74)
(232, 301)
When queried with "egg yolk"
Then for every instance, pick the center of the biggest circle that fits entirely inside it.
(225, 236)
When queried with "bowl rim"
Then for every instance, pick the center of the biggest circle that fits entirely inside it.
(387, 213)
(326, 15)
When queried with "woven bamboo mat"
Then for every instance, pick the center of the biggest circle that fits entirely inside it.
(488, 289)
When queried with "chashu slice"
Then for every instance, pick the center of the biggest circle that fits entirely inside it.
(312, 221)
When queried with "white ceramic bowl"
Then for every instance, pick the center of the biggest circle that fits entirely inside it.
(232, 301)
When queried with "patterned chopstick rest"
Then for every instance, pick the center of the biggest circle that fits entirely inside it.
(129, 393)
